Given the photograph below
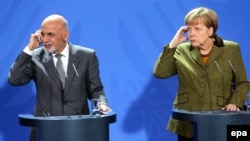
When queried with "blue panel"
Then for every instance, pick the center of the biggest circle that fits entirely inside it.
(128, 36)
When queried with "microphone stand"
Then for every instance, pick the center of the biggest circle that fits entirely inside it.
(79, 93)
(235, 83)
(222, 79)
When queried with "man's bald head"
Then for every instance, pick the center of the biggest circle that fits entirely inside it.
(58, 19)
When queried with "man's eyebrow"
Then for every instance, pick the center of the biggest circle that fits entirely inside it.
(48, 33)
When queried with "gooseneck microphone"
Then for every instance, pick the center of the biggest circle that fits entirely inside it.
(234, 83)
(222, 81)
(75, 70)
(80, 113)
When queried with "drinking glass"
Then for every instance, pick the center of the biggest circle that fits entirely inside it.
(95, 111)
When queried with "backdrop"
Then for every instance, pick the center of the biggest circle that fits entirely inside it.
(128, 36)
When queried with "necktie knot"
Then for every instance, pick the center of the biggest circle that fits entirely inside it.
(59, 56)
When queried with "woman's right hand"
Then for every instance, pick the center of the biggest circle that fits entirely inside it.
(179, 37)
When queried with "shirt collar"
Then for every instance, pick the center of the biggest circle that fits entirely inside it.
(65, 51)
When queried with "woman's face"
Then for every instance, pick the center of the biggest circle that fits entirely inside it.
(199, 35)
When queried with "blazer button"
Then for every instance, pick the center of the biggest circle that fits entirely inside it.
(203, 77)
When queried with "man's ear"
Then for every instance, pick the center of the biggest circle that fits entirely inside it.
(66, 36)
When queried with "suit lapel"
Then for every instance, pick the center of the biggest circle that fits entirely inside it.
(216, 51)
(49, 66)
(72, 72)
(195, 53)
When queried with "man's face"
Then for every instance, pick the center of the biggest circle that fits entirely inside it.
(54, 36)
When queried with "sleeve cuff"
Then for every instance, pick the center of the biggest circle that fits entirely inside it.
(28, 51)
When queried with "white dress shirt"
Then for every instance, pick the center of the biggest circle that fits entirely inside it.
(65, 57)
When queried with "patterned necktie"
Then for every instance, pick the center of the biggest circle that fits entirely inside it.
(60, 70)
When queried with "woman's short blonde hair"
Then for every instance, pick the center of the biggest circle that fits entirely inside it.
(202, 15)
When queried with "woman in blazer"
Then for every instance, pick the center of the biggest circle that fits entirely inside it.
(211, 71)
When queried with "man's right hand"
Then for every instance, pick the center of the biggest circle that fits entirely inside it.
(35, 40)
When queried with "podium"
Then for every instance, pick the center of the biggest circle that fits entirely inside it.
(212, 125)
(70, 128)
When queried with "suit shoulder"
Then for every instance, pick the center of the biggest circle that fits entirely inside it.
(231, 46)
(230, 43)
(184, 46)
(39, 51)
(83, 49)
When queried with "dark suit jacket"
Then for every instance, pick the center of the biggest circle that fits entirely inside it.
(82, 82)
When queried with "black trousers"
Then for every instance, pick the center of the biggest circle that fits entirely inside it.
(182, 138)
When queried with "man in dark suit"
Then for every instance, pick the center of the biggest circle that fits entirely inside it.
(81, 80)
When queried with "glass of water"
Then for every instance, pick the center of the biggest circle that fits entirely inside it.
(95, 107)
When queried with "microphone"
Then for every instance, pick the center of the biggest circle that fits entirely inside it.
(46, 114)
(79, 93)
(234, 83)
(222, 80)
(75, 70)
